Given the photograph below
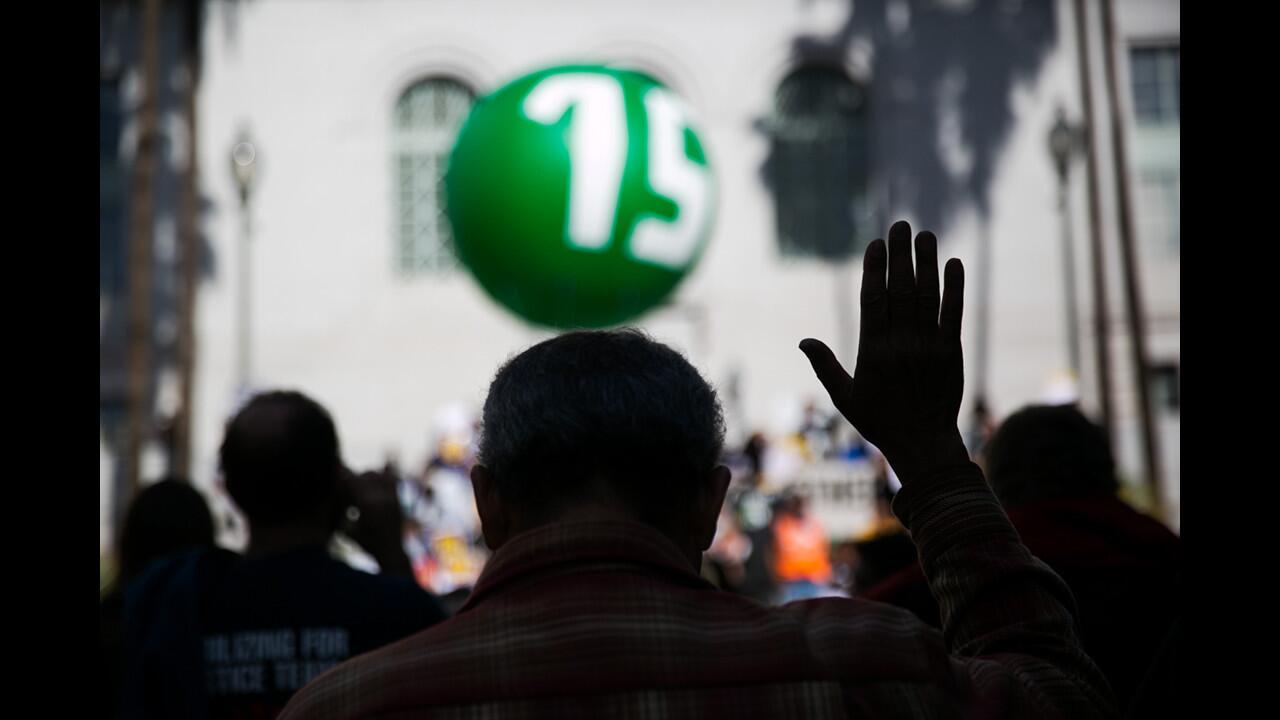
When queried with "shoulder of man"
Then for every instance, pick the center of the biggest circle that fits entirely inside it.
(844, 640)
(401, 600)
(187, 571)
(161, 616)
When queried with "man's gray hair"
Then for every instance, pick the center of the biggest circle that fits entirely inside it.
(600, 409)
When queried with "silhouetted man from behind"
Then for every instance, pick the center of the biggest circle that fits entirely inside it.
(598, 488)
(221, 635)
(1054, 473)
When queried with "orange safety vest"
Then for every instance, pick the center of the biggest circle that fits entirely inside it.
(801, 550)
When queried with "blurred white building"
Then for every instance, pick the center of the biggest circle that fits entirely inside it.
(936, 112)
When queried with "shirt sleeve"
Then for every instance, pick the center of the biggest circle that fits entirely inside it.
(1006, 616)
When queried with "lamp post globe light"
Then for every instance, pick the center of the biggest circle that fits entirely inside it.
(244, 157)
(1061, 144)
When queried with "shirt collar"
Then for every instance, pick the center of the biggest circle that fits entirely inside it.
(565, 544)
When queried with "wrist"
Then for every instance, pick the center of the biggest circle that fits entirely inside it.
(932, 456)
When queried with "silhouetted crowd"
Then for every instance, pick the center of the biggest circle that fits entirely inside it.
(598, 552)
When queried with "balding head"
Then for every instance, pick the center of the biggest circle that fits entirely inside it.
(280, 459)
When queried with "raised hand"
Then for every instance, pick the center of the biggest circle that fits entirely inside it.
(379, 525)
(905, 392)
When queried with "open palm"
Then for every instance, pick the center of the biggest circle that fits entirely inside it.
(904, 395)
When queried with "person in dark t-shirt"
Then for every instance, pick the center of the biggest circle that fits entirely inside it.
(216, 634)
(163, 519)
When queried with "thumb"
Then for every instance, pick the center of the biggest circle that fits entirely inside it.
(830, 372)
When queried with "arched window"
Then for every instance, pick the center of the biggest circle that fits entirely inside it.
(818, 166)
(428, 116)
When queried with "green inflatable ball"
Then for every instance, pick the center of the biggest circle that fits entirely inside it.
(580, 196)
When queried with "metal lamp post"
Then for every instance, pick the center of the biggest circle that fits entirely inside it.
(1064, 142)
(244, 156)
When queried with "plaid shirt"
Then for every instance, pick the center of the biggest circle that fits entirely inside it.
(592, 620)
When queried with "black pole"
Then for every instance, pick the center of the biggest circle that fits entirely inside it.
(1069, 279)
(1101, 312)
(1135, 311)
